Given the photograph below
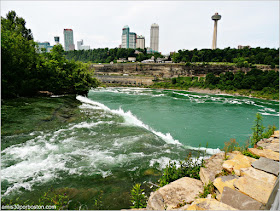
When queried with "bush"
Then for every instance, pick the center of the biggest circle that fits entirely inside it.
(208, 189)
(190, 167)
(138, 197)
(257, 130)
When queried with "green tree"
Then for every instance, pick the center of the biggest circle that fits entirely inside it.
(257, 130)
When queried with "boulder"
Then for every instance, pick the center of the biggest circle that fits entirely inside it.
(256, 189)
(213, 166)
(258, 175)
(209, 204)
(224, 181)
(267, 165)
(264, 142)
(169, 196)
(237, 162)
(239, 200)
(267, 153)
(273, 146)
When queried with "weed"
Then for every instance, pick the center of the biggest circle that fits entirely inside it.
(247, 153)
(138, 197)
(190, 167)
(98, 200)
(208, 189)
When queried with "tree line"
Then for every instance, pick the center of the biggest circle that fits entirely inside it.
(25, 71)
(243, 57)
(106, 55)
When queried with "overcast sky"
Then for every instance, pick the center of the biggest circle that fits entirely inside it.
(182, 24)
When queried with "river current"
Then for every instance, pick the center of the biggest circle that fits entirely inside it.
(114, 138)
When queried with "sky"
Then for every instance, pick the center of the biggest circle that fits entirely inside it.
(182, 24)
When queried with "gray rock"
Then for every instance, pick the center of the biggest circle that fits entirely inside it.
(228, 177)
(239, 200)
(267, 165)
(273, 146)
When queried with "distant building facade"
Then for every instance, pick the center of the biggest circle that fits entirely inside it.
(140, 41)
(44, 45)
(154, 39)
(81, 46)
(56, 39)
(68, 40)
(244, 46)
(128, 38)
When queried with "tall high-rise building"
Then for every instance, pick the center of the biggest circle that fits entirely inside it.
(128, 38)
(154, 39)
(44, 45)
(81, 46)
(68, 40)
(140, 41)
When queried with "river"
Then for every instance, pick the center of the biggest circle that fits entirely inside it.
(114, 138)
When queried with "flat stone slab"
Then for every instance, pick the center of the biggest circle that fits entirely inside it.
(259, 175)
(276, 140)
(272, 146)
(209, 204)
(224, 181)
(169, 196)
(267, 165)
(256, 189)
(239, 200)
(237, 162)
(267, 153)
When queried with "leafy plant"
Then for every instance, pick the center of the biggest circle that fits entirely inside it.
(230, 146)
(270, 131)
(98, 200)
(247, 153)
(190, 167)
(61, 201)
(208, 189)
(257, 130)
(138, 197)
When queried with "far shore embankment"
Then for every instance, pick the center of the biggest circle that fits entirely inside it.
(190, 78)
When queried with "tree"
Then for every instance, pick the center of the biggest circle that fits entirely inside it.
(257, 130)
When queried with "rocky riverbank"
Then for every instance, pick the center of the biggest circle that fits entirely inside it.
(248, 185)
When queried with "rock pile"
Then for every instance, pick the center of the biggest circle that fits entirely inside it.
(247, 184)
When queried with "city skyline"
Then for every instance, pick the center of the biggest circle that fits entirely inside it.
(184, 24)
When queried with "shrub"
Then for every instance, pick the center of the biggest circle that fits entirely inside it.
(208, 189)
(188, 168)
(270, 130)
(257, 130)
(138, 197)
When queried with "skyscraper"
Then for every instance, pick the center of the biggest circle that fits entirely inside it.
(81, 46)
(140, 41)
(154, 40)
(128, 38)
(68, 40)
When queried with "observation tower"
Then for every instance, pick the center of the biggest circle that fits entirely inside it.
(215, 18)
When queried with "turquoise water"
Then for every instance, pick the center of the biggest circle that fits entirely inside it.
(113, 139)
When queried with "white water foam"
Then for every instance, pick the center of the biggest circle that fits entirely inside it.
(130, 119)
